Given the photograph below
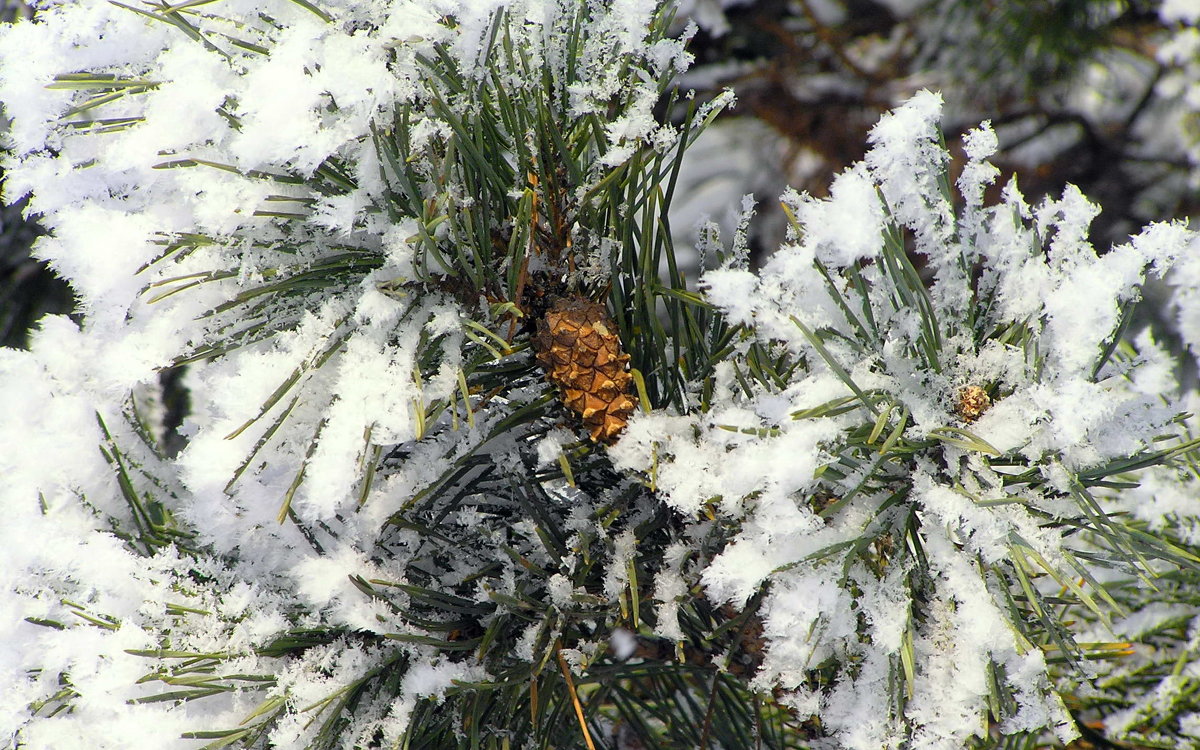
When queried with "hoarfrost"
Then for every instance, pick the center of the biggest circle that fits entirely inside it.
(307, 446)
(181, 196)
(829, 300)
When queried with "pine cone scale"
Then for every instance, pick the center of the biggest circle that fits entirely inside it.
(577, 345)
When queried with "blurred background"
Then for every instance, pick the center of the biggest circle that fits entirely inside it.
(1097, 93)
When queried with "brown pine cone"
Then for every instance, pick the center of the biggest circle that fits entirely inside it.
(973, 401)
(578, 346)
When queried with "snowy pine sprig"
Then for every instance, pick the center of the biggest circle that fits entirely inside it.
(869, 502)
(921, 463)
(381, 528)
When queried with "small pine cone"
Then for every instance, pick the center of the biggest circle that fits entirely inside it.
(973, 401)
(577, 344)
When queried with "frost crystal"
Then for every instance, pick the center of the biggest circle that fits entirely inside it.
(855, 480)
(861, 491)
(223, 189)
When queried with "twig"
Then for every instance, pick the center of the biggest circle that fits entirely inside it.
(566, 673)
(1145, 100)
(827, 36)
(533, 700)
(708, 712)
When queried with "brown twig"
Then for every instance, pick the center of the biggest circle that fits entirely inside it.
(533, 700)
(825, 35)
(708, 713)
(566, 673)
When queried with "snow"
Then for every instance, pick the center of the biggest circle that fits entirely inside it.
(850, 227)
(907, 163)
(310, 449)
(806, 616)
(1179, 10)
(624, 644)
(1040, 272)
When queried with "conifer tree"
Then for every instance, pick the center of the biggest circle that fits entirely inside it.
(470, 463)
